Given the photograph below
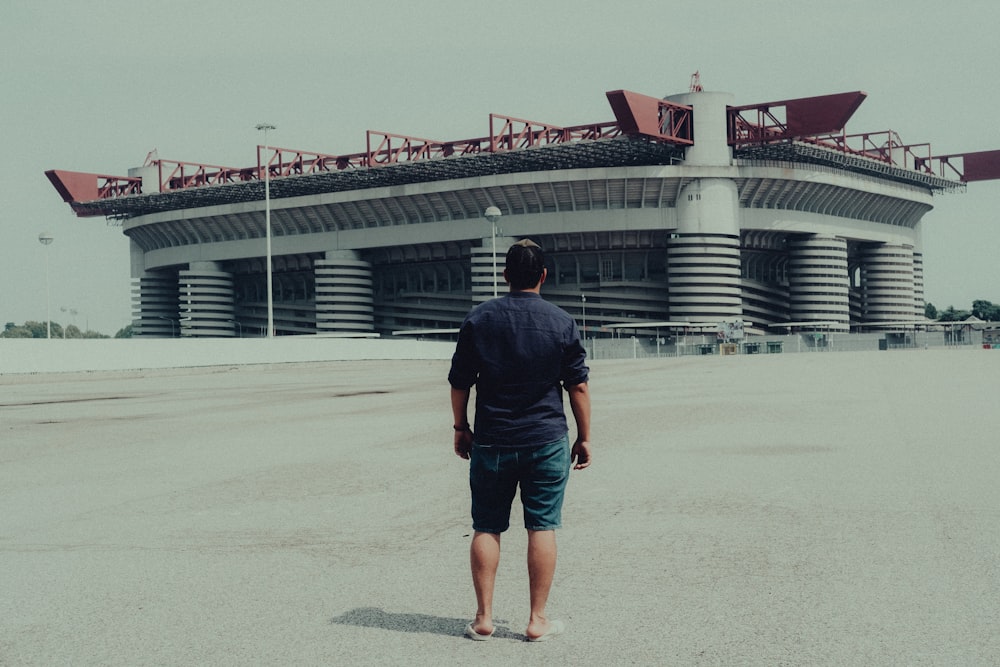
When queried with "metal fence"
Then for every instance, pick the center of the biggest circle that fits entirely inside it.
(644, 347)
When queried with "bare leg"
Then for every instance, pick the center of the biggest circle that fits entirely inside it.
(541, 570)
(484, 555)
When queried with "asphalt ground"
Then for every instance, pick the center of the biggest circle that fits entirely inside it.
(809, 509)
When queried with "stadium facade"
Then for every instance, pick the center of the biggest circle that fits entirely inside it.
(688, 209)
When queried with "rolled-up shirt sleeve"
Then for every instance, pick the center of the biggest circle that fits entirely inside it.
(465, 361)
(574, 362)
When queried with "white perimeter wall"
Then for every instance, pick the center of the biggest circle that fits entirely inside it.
(53, 356)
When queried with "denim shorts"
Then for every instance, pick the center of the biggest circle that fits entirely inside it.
(496, 472)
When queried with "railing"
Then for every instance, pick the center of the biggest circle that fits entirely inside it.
(382, 148)
(820, 121)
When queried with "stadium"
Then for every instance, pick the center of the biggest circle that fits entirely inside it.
(680, 213)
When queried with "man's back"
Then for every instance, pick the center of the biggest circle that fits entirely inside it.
(518, 350)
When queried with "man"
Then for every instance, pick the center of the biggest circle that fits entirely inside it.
(520, 352)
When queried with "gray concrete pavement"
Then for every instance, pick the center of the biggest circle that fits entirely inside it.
(815, 509)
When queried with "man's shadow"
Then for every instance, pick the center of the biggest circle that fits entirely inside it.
(373, 617)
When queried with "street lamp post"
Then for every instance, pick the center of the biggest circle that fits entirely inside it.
(493, 214)
(583, 300)
(46, 239)
(267, 228)
(73, 313)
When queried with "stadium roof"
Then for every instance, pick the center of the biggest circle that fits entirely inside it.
(615, 152)
(647, 131)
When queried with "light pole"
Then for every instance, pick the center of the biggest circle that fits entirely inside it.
(583, 300)
(46, 239)
(267, 228)
(73, 312)
(493, 214)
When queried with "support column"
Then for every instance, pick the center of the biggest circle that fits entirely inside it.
(207, 303)
(154, 305)
(344, 300)
(703, 256)
(482, 268)
(918, 285)
(887, 283)
(819, 285)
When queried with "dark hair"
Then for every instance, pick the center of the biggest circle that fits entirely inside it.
(525, 263)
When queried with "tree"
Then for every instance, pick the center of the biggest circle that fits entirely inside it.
(985, 310)
(930, 312)
(39, 330)
(124, 332)
(13, 331)
(34, 329)
(952, 315)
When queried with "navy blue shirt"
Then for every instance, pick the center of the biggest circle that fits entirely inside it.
(520, 351)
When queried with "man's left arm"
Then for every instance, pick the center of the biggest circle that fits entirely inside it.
(579, 402)
(460, 413)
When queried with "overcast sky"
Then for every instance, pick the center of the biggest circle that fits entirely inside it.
(94, 86)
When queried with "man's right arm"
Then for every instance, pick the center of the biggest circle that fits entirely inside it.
(579, 402)
(461, 377)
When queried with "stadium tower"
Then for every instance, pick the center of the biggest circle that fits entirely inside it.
(681, 211)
